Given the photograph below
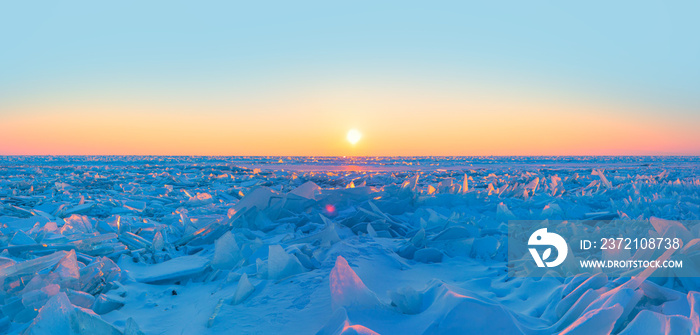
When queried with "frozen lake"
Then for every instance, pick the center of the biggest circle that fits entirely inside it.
(299, 245)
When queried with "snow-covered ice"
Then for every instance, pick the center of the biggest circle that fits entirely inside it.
(304, 245)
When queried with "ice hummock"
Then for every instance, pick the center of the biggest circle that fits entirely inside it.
(59, 316)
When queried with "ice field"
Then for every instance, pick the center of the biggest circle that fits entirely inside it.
(284, 245)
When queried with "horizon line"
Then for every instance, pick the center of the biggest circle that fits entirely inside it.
(339, 156)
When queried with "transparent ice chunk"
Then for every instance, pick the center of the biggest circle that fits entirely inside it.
(280, 264)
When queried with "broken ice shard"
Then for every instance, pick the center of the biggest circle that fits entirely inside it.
(177, 268)
(243, 291)
(280, 264)
(59, 316)
(348, 290)
(226, 252)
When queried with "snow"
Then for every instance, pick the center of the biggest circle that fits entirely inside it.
(357, 245)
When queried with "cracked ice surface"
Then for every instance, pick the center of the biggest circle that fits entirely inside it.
(208, 245)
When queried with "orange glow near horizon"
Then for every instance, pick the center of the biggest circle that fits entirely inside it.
(398, 126)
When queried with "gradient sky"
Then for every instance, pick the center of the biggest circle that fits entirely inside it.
(291, 78)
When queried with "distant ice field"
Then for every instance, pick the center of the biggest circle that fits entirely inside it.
(347, 245)
(369, 163)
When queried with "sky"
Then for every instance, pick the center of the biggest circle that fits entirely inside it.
(292, 78)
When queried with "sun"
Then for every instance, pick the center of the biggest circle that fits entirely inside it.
(354, 136)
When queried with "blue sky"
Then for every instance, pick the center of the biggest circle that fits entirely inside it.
(631, 53)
